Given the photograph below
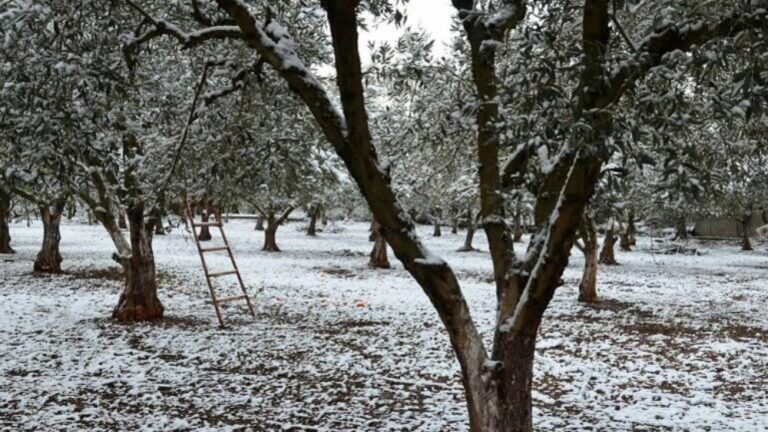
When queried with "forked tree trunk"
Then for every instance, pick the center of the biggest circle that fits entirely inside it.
(681, 231)
(518, 226)
(49, 258)
(5, 219)
(139, 301)
(437, 232)
(270, 234)
(588, 284)
(607, 255)
(746, 244)
(205, 232)
(259, 224)
(379, 257)
(313, 214)
(470, 233)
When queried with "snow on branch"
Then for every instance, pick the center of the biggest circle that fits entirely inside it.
(679, 37)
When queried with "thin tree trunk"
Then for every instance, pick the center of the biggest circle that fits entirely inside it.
(259, 224)
(470, 233)
(607, 255)
(746, 244)
(681, 230)
(518, 226)
(49, 258)
(270, 240)
(324, 216)
(139, 301)
(379, 257)
(455, 224)
(5, 219)
(631, 229)
(313, 214)
(437, 232)
(588, 284)
(624, 242)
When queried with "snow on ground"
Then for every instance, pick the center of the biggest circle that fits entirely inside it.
(680, 345)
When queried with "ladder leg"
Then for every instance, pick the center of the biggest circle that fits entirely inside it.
(239, 277)
(191, 219)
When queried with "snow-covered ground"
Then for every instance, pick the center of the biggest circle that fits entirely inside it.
(680, 345)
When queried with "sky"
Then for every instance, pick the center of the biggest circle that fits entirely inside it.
(433, 16)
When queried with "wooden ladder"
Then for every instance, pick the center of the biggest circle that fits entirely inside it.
(208, 275)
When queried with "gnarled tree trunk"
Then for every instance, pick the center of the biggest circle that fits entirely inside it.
(139, 301)
(5, 219)
(607, 255)
(588, 284)
(49, 258)
(379, 257)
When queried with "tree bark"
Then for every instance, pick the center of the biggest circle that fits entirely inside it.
(121, 219)
(607, 255)
(437, 232)
(139, 301)
(49, 258)
(259, 224)
(270, 233)
(5, 219)
(588, 284)
(681, 230)
(470, 233)
(313, 214)
(631, 229)
(518, 226)
(323, 216)
(205, 232)
(379, 257)
(746, 244)
(625, 243)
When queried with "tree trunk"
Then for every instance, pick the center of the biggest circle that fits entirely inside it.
(270, 241)
(121, 219)
(5, 219)
(313, 214)
(746, 244)
(455, 225)
(139, 301)
(157, 222)
(515, 385)
(470, 233)
(437, 232)
(588, 284)
(379, 257)
(205, 232)
(631, 229)
(49, 259)
(518, 226)
(259, 224)
(323, 216)
(681, 231)
(607, 255)
(625, 244)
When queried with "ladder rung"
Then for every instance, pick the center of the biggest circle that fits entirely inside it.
(227, 299)
(206, 224)
(231, 272)
(214, 249)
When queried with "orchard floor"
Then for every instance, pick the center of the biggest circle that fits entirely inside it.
(680, 344)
